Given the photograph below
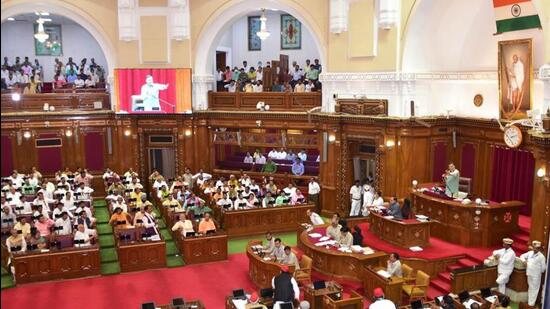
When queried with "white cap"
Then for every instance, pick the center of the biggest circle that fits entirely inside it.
(508, 241)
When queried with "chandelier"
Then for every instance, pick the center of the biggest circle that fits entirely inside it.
(41, 36)
(263, 33)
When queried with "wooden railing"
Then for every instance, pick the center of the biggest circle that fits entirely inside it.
(372, 107)
(60, 102)
(277, 101)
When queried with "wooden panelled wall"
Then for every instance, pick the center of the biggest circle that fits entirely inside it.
(411, 157)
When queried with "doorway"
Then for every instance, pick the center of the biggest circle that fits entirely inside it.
(364, 168)
(164, 161)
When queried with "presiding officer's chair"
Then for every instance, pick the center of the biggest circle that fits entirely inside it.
(408, 274)
(419, 289)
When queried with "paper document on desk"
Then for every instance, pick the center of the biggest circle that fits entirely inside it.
(388, 217)
(469, 303)
(356, 248)
(257, 247)
(344, 249)
(421, 217)
(267, 258)
(324, 238)
(315, 235)
(240, 303)
(367, 250)
(384, 273)
(416, 249)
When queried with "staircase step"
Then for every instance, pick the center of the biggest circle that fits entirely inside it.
(174, 261)
(171, 248)
(100, 203)
(108, 255)
(441, 285)
(522, 237)
(110, 268)
(467, 262)
(445, 276)
(106, 241)
(104, 229)
(162, 224)
(450, 268)
(6, 281)
(434, 292)
(102, 215)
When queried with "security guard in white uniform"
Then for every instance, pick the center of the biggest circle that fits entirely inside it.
(505, 257)
(535, 263)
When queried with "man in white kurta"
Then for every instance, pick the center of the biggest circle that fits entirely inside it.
(536, 265)
(150, 94)
(355, 196)
(506, 257)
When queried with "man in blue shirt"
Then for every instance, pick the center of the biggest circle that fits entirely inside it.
(71, 77)
(394, 209)
(298, 167)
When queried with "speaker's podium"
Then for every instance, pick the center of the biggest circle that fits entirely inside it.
(137, 103)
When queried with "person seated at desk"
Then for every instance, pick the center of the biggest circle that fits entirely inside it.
(23, 226)
(357, 236)
(278, 251)
(138, 217)
(260, 159)
(346, 239)
(285, 288)
(240, 202)
(59, 210)
(206, 225)
(268, 248)
(333, 230)
(192, 201)
(28, 188)
(87, 222)
(314, 217)
(120, 204)
(289, 258)
(225, 202)
(395, 209)
(282, 199)
(379, 302)
(269, 167)
(138, 196)
(8, 218)
(394, 265)
(218, 195)
(248, 158)
(252, 201)
(200, 210)
(246, 193)
(37, 242)
(68, 202)
(406, 209)
(85, 191)
(63, 225)
(268, 200)
(298, 167)
(43, 226)
(502, 302)
(16, 242)
(119, 219)
(297, 198)
(81, 237)
(253, 302)
(183, 225)
(172, 203)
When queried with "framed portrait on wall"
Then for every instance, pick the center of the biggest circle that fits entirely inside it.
(291, 32)
(515, 78)
(254, 42)
(52, 46)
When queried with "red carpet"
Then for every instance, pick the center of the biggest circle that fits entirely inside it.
(207, 282)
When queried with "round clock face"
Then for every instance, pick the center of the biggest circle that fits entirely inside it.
(512, 136)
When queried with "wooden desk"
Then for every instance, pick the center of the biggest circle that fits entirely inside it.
(467, 225)
(335, 263)
(230, 305)
(278, 101)
(260, 220)
(405, 233)
(202, 249)
(141, 255)
(60, 101)
(392, 287)
(479, 277)
(355, 301)
(315, 297)
(261, 271)
(195, 304)
(56, 264)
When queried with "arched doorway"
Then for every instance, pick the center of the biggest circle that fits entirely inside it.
(213, 29)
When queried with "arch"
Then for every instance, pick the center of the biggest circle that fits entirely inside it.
(461, 37)
(69, 11)
(228, 13)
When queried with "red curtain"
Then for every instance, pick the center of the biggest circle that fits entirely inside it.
(467, 165)
(130, 82)
(49, 160)
(94, 146)
(513, 173)
(439, 161)
(7, 156)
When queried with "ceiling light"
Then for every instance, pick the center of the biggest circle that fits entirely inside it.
(45, 14)
(263, 33)
(188, 132)
(27, 134)
(68, 133)
(127, 132)
(41, 36)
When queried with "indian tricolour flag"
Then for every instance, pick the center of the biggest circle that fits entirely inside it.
(512, 15)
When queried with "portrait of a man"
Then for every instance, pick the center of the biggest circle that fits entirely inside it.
(515, 67)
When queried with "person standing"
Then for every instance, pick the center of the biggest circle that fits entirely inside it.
(506, 257)
(285, 288)
(355, 196)
(451, 177)
(313, 191)
(535, 263)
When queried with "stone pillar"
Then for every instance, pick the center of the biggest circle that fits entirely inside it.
(128, 22)
(201, 85)
(544, 75)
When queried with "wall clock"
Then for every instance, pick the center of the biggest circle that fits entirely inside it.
(512, 136)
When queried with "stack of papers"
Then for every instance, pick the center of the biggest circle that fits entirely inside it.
(240, 303)
(315, 235)
(325, 243)
(356, 248)
(491, 299)
(469, 303)
(384, 273)
(367, 251)
(416, 249)
(267, 258)
(324, 238)
(344, 249)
